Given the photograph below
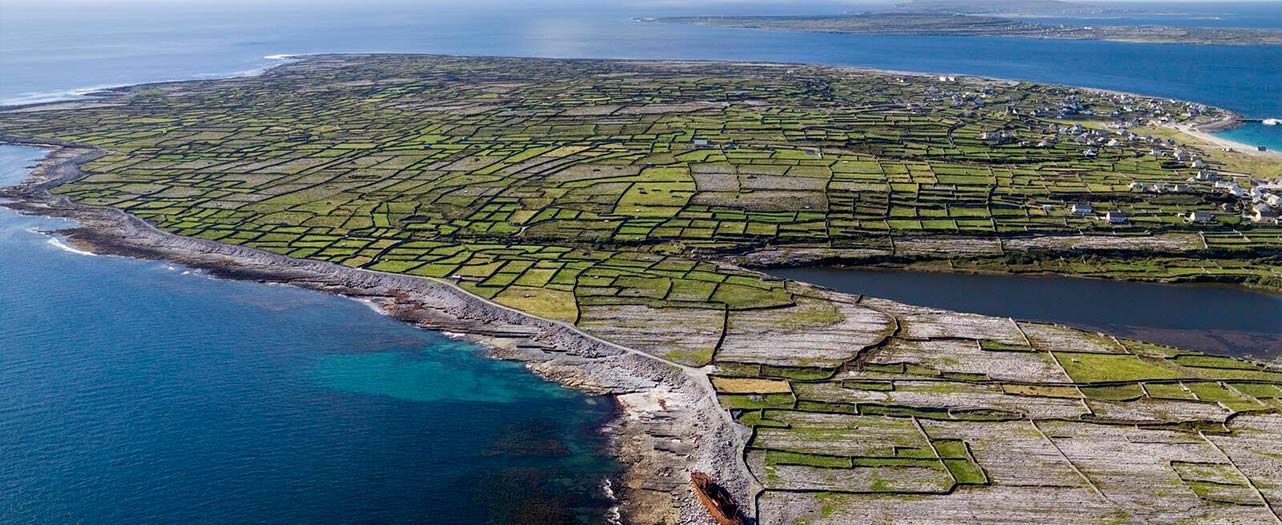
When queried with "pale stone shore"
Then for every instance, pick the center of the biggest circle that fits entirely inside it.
(669, 423)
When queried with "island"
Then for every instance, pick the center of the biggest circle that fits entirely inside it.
(931, 22)
(1033, 8)
(605, 221)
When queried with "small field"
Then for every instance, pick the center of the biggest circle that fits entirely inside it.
(617, 196)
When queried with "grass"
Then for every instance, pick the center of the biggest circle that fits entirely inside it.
(739, 385)
(1113, 393)
(1091, 368)
(966, 472)
(509, 178)
(810, 460)
(543, 302)
(756, 400)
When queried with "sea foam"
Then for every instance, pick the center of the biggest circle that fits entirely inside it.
(53, 241)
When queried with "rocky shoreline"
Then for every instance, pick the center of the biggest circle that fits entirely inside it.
(670, 421)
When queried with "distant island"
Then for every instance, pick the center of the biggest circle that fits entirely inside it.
(1012, 7)
(914, 22)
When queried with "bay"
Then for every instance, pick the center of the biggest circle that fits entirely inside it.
(1256, 134)
(1214, 319)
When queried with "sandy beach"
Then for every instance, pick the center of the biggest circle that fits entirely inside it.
(1222, 142)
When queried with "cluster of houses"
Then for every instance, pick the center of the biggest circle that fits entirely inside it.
(1127, 106)
(1093, 138)
(1159, 112)
(1097, 139)
(1073, 103)
(973, 99)
(1193, 217)
(1231, 188)
(1159, 187)
(1111, 217)
(1266, 200)
(999, 137)
(1263, 200)
(1264, 205)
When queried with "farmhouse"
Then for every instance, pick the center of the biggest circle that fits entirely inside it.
(1206, 176)
(1114, 217)
(1198, 217)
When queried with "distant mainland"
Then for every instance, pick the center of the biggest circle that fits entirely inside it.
(999, 18)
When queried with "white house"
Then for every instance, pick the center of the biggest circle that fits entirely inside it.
(1199, 217)
(1206, 176)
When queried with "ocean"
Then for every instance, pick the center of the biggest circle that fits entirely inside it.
(144, 392)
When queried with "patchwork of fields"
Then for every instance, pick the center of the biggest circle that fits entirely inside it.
(611, 195)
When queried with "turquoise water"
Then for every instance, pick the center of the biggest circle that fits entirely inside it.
(141, 392)
(1256, 134)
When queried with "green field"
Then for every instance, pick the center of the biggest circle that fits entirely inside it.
(616, 196)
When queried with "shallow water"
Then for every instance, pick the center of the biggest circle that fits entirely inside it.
(1214, 319)
(1256, 134)
(141, 392)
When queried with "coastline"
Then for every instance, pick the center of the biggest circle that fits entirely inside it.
(1120, 40)
(663, 407)
(1207, 133)
(103, 92)
(912, 260)
(668, 422)
(891, 267)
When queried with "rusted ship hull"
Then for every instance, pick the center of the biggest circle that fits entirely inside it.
(715, 499)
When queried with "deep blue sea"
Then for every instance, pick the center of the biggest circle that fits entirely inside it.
(136, 392)
(142, 392)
